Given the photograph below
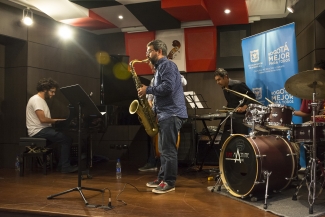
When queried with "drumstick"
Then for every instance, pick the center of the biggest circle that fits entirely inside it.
(319, 116)
(269, 100)
(227, 108)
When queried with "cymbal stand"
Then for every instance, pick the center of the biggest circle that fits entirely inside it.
(312, 184)
(311, 167)
(231, 112)
(219, 183)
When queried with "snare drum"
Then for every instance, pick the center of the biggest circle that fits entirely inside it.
(280, 117)
(304, 132)
(256, 114)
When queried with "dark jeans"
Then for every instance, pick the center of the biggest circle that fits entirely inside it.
(168, 134)
(58, 138)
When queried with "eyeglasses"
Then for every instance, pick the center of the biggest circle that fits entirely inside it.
(149, 51)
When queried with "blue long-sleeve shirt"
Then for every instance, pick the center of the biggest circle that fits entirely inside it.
(167, 91)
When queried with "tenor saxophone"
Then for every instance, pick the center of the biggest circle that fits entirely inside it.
(141, 106)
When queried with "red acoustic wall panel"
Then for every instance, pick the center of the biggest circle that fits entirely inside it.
(200, 49)
(186, 10)
(136, 47)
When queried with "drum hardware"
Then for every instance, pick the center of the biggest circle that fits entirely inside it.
(218, 183)
(293, 178)
(301, 85)
(266, 176)
(269, 101)
(259, 156)
(262, 182)
(256, 114)
(244, 96)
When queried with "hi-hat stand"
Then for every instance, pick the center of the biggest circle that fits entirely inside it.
(78, 98)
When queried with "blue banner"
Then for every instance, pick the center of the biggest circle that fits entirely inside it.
(270, 58)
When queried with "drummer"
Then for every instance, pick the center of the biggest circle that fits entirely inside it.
(222, 78)
(306, 108)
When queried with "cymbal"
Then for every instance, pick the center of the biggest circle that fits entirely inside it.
(305, 83)
(243, 95)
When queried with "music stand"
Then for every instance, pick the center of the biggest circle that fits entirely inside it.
(79, 99)
(196, 101)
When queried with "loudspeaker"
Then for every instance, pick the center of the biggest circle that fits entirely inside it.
(186, 149)
(210, 155)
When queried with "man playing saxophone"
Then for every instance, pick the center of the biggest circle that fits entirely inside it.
(171, 113)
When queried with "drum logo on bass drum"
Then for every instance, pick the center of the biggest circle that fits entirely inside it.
(237, 155)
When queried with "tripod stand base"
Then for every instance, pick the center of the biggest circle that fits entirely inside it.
(76, 189)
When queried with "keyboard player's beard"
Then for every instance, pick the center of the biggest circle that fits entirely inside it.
(47, 95)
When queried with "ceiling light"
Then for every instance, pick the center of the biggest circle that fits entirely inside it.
(120, 17)
(227, 11)
(27, 17)
(290, 9)
(134, 29)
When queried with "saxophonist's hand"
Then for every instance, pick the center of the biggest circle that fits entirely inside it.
(142, 91)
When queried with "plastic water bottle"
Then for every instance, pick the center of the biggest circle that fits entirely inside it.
(118, 169)
(17, 163)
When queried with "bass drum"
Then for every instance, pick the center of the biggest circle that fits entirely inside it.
(243, 161)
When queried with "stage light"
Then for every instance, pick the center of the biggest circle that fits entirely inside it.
(27, 17)
(291, 4)
(227, 11)
(65, 32)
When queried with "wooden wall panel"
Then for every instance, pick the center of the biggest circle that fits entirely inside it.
(319, 7)
(307, 62)
(320, 54)
(10, 22)
(304, 14)
(306, 41)
(264, 25)
(320, 31)
(14, 104)
(63, 61)
(16, 54)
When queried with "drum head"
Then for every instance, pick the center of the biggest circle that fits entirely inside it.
(244, 160)
(238, 165)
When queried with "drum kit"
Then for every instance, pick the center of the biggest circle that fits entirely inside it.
(267, 160)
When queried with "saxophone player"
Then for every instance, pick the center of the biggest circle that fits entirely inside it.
(153, 160)
(171, 113)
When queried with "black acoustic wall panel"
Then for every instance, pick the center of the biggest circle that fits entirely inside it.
(229, 52)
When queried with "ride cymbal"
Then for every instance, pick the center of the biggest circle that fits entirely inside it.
(305, 83)
(243, 95)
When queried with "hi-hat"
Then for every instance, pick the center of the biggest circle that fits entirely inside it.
(305, 83)
(243, 95)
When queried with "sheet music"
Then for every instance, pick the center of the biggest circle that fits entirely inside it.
(192, 99)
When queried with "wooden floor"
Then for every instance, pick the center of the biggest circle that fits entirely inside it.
(27, 196)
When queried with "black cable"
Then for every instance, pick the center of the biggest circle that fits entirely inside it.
(123, 190)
